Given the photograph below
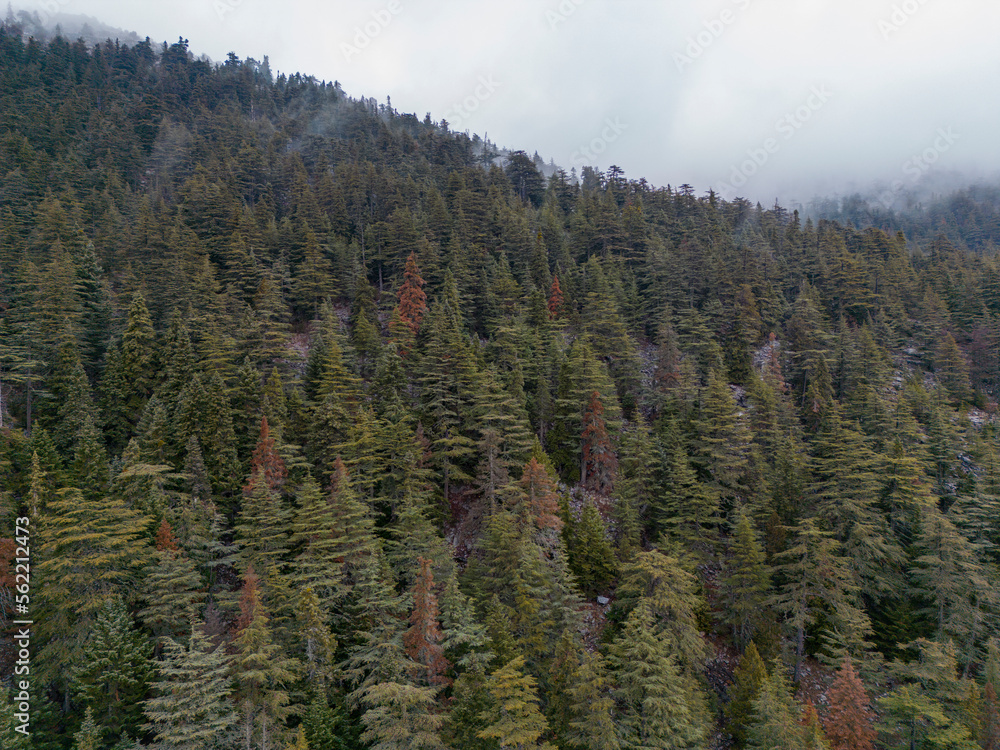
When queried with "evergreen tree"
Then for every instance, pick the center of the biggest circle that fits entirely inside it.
(687, 509)
(591, 725)
(89, 736)
(813, 736)
(846, 485)
(653, 700)
(817, 581)
(9, 723)
(556, 302)
(317, 642)
(599, 464)
(91, 550)
(190, 707)
(514, 719)
(952, 369)
(669, 591)
(849, 720)
(259, 669)
(775, 717)
(172, 587)
(412, 299)
(722, 446)
(114, 675)
(396, 712)
(749, 678)
(951, 581)
(541, 501)
(591, 556)
(422, 640)
(137, 358)
(746, 582)
(990, 737)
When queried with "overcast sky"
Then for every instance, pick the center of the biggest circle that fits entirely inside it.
(758, 98)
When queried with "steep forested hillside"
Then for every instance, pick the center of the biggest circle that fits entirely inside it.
(334, 429)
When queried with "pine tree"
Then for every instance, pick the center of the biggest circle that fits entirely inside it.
(115, 670)
(911, 719)
(951, 580)
(813, 737)
(849, 720)
(775, 716)
(463, 638)
(89, 736)
(952, 369)
(541, 500)
(335, 534)
(412, 299)
(599, 463)
(749, 677)
(817, 580)
(450, 380)
(204, 410)
(423, 639)
(260, 670)
(746, 582)
(90, 551)
(140, 485)
(653, 699)
(172, 587)
(318, 645)
(90, 461)
(687, 508)
(669, 591)
(400, 717)
(263, 525)
(514, 720)
(328, 727)
(636, 486)
(591, 725)
(190, 707)
(927, 710)
(591, 555)
(990, 738)
(333, 391)
(555, 303)
(722, 445)
(137, 348)
(9, 723)
(313, 534)
(71, 396)
(470, 702)
(580, 374)
(300, 742)
(846, 487)
(396, 712)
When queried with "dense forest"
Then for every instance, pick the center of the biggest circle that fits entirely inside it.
(329, 428)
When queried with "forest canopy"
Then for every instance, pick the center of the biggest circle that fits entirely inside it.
(335, 429)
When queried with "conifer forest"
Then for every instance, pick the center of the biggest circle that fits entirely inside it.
(325, 427)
